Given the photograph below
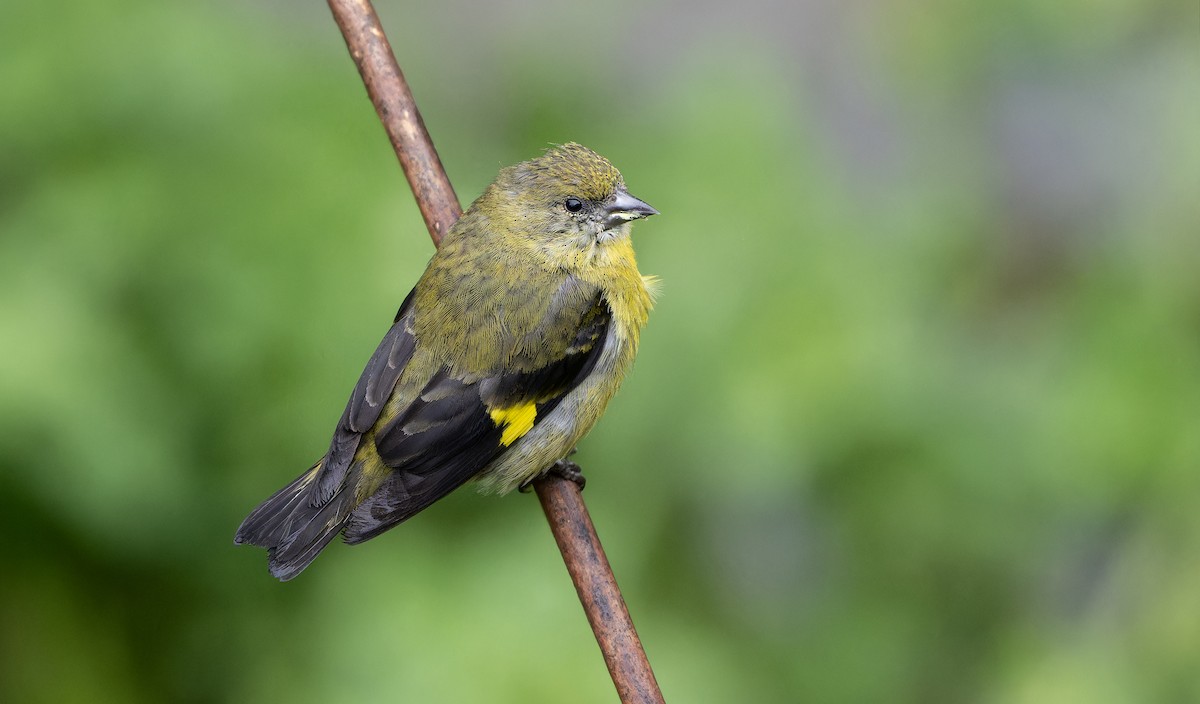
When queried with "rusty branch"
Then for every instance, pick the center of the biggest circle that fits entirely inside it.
(398, 111)
(598, 591)
(561, 499)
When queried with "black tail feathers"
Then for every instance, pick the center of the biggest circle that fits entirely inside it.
(292, 528)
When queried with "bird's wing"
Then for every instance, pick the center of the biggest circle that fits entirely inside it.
(301, 518)
(455, 427)
(370, 394)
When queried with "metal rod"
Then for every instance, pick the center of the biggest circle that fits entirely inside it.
(561, 499)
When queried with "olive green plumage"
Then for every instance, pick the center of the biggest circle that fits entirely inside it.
(504, 355)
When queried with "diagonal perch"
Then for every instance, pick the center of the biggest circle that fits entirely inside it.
(561, 499)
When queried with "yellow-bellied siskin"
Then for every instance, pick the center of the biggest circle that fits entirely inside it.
(503, 356)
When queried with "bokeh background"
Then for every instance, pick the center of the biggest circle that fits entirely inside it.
(917, 418)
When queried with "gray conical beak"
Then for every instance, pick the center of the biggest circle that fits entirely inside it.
(622, 208)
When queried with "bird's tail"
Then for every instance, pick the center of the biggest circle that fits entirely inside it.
(293, 526)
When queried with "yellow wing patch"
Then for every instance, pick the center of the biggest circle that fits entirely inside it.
(516, 421)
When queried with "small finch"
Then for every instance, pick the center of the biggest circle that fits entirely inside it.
(500, 360)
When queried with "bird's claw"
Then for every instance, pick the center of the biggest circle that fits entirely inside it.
(570, 471)
(563, 468)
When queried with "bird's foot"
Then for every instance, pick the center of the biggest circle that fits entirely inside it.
(570, 471)
(564, 468)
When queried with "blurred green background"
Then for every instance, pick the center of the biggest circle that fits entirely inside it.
(917, 418)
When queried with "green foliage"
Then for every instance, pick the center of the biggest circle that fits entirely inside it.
(916, 418)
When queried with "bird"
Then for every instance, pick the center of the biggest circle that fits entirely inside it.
(501, 358)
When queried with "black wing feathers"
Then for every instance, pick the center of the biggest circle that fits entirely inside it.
(441, 440)
(447, 417)
(554, 380)
(446, 436)
(366, 402)
(383, 369)
(299, 520)
(463, 451)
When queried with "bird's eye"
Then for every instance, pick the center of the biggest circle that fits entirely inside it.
(573, 204)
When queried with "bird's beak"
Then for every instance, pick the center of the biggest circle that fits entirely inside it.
(622, 208)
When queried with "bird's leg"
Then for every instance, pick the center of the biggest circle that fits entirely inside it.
(563, 468)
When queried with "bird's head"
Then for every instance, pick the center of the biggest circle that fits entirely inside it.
(568, 198)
